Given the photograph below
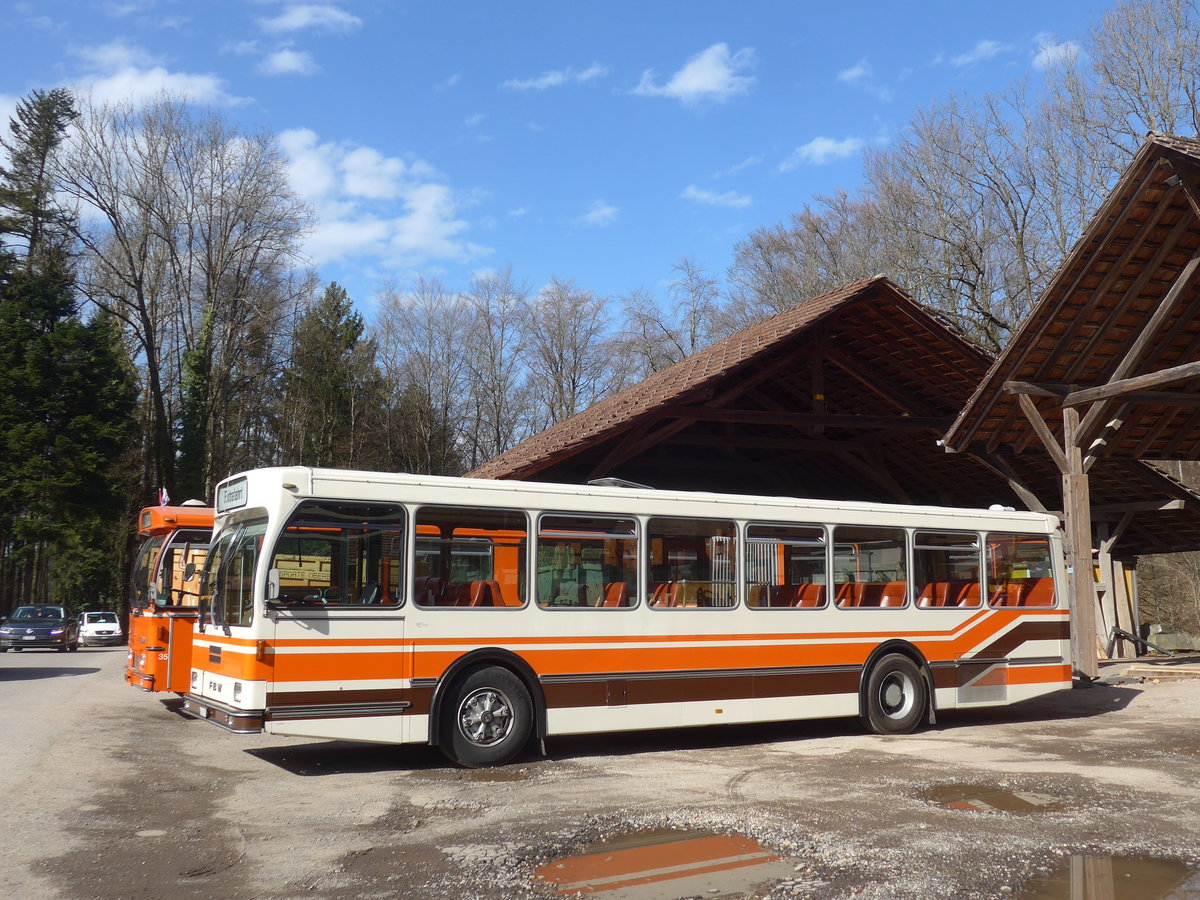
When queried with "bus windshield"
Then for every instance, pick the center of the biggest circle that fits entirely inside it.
(143, 571)
(227, 583)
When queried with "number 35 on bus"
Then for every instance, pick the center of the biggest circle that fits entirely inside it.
(479, 616)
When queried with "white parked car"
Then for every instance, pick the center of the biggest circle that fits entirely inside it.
(100, 628)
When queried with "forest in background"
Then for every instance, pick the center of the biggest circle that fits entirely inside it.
(159, 327)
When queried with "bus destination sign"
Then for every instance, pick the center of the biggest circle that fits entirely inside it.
(231, 495)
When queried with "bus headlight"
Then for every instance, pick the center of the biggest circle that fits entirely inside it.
(195, 678)
(237, 691)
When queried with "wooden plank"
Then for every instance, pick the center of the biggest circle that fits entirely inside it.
(1077, 506)
(1137, 506)
(1039, 389)
(808, 420)
(1043, 431)
(1119, 388)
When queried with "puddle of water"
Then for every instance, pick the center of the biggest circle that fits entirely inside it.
(665, 864)
(983, 798)
(1119, 878)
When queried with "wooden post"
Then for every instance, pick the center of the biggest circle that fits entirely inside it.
(1078, 511)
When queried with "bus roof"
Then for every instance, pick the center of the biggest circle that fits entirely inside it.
(305, 481)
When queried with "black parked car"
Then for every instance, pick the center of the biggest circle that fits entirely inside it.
(39, 626)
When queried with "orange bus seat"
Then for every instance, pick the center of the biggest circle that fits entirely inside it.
(871, 593)
(894, 594)
(486, 593)
(427, 591)
(616, 593)
(811, 596)
(665, 594)
(928, 595)
(969, 595)
(1040, 592)
(850, 594)
(1007, 594)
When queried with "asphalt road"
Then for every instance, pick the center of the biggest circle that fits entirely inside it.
(108, 793)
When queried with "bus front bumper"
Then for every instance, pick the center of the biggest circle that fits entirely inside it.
(240, 721)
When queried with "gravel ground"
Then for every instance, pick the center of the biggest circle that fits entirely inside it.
(110, 794)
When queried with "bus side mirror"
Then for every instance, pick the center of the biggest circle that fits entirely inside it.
(189, 571)
(273, 584)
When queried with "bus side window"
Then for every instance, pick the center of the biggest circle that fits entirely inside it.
(341, 554)
(469, 558)
(1019, 571)
(869, 567)
(586, 562)
(785, 567)
(692, 563)
(946, 570)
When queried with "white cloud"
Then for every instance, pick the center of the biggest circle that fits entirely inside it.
(709, 198)
(557, 78)
(1049, 53)
(321, 16)
(374, 206)
(116, 54)
(822, 150)
(474, 120)
(861, 76)
(746, 163)
(983, 50)
(449, 82)
(123, 72)
(712, 74)
(599, 214)
(288, 62)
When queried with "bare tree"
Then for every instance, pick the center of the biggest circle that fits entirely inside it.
(191, 236)
(653, 338)
(421, 336)
(498, 389)
(572, 361)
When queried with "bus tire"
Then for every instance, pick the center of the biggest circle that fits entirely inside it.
(896, 697)
(488, 718)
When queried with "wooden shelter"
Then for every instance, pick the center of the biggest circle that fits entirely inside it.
(1106, 367)
(845, 397)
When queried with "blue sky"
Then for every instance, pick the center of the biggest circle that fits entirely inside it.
(598, 142)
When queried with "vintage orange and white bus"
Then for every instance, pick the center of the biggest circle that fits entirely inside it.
(480, 615)
(164, 593)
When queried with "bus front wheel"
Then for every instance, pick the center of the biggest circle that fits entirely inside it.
(896, 696)
(489, 717)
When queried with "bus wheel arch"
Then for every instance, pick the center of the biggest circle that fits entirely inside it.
(449, 694)
(895, 690)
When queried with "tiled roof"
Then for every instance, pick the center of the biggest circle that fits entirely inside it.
(1112, 282)
(623, 410)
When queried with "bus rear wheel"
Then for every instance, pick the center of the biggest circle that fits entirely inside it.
(488, 718)
(896, 697)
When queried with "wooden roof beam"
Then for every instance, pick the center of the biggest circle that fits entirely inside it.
(1120, 388)
(1187, 178)
(1040, 389)
(809, 420)
(1137, 506)
(1043, 431)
